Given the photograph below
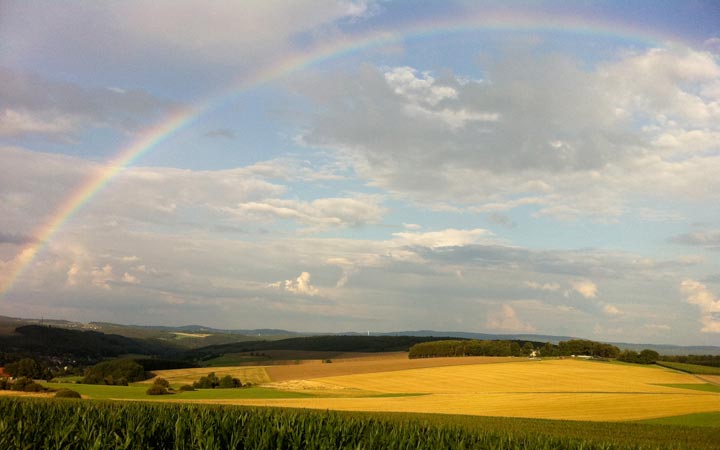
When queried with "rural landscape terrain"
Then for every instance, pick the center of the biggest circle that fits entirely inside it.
(360, 224)
(561, 394)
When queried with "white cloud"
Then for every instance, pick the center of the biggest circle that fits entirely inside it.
(405, 82)
(507, 320)
(192, 35)
(445, 238)
(317, 214)
(586, 288)
(698, 294)
(301, 285)
(17, 123)
(129, 278)
(611, 310)
(570, 142)
(102, 276)
(543, 286)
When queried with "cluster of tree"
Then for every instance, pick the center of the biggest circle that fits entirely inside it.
(150, 364)
(644, 357)
(29, 368)
(474, 347)
(160, 386)
(455, 347)
(700, 360)
(21, 384)
(115, 372)
(211, 381)
(587, 348)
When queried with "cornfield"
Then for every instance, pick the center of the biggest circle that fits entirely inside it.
(70, 424)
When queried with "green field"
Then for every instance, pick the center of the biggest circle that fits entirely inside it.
(136, 391)
(707, 387)
(78, 424)
(689, 420)
(690, 368)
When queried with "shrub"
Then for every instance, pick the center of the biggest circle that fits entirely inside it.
(228, 382)
(186, 387)
(67, 393)
(161, 382)
(156, 390)
(209, 382)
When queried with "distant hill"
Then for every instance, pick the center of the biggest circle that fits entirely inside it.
(41, 340)
(199, 336)
(326, 343)
(663, 349)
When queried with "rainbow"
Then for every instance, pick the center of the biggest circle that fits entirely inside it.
(181, 118)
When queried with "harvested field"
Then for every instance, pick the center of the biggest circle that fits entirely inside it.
(555, 389)
(372, 364)
(177, 377)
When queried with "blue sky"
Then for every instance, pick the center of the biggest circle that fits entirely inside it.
(547, 167)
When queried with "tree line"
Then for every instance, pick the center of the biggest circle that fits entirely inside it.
(475, 347)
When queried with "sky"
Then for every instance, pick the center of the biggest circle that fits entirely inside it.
(545, 167)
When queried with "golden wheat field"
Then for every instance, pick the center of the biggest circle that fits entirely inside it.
(552, 389)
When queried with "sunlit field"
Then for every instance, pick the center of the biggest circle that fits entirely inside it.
(560, 389)
(507, 387)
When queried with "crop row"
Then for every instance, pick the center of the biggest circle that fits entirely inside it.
(69, 424)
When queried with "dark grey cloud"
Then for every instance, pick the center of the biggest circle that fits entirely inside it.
(225, 133)
(15, 238)
(34, 104)
(709, 239)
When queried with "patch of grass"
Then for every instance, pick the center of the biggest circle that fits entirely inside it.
(691, 368)
(138, 392)
(711, 419)
(241, 393)
(67, 379)
(99, 391)
(705, 387)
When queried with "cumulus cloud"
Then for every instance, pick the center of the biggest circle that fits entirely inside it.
(130, 278)
(507, 320)
(586, 288)
(300, 285)
(611, 310)
(547, 132)
(102, 276)
(168, 196)
(698, 294)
